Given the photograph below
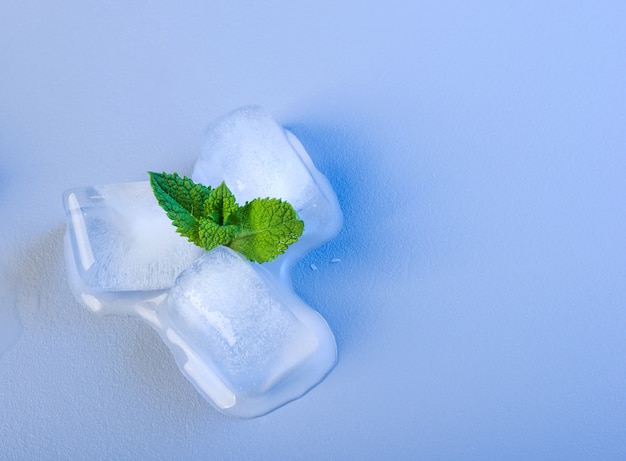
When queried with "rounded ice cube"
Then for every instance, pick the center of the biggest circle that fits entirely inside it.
(256, 157)
(120, 246)
(247, 343)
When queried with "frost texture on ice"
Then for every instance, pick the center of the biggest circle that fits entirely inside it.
(120, 244)
(256, 157)
(237, 330)
(246, 343)
(244, 327)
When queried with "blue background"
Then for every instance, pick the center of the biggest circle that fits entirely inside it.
(478, 150)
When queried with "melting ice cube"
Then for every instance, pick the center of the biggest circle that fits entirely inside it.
(120, 243)
(235, 328)
(256, 157)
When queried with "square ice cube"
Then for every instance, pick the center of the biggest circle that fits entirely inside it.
(245, 335)
(256, 157)
(120, 241)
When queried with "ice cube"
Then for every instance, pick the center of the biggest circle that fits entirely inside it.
(120, 241)
(258, 158)
(246, 335)
(237, 329)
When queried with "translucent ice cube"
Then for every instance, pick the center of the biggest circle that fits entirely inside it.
(120, 243)
(230, 325)
(238, 331)
(258, 158)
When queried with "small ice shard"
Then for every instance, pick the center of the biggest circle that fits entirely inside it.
(248, 334)
(256, 157)
(335, 260)
(120, 245)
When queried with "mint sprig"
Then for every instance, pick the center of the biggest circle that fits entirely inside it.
(260, 230)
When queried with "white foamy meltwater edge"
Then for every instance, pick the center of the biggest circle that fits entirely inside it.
(237, 329)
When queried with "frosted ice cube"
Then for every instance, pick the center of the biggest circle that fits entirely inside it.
(119, 241)
(258, 158)
(238, 331)
(232, 326)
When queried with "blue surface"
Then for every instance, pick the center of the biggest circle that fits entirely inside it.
(479, 155)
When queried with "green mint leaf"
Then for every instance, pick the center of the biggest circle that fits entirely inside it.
(220, 205)
(266, 228)
(260, 230)
(183, 201)
(212, 234)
